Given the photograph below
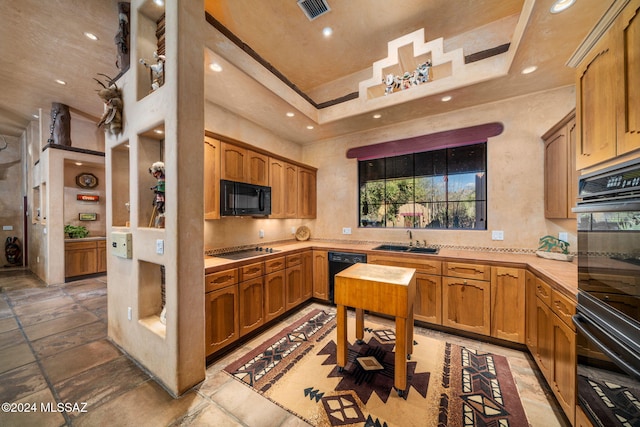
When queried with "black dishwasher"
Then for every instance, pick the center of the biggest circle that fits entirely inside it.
(338, 261)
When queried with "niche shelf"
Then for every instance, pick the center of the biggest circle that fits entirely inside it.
(120, 188)
(150, 39)
(150, 150)
(150, 295)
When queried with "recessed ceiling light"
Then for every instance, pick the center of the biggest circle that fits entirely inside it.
(78, 163)
(158, 131)
(60, 82)
(290, 114)
(529, 70)
(377, 116)
(90, 36)
(560, 5)
(159, 2)
(446, 98)
(327, 31)
(35, 116)
(309, 127)
(215, 67)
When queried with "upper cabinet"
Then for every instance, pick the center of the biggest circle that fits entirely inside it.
(608, 92)
(560, 174)
(211, 178)
(234, 163)
(306, 193)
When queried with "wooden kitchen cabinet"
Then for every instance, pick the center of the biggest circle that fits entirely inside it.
(258, 168)
(221, 318)
(307, 275)
(608, 93)
(428, 302)
(291, 190)
(531, 330)
(85, 257)
(293, 281)
(250, 305)
(274, 295)
(278, 187)
(234, 163)
(466, 304)
(306, 193)
(508, 304)
(321, 275)
(560, 174)
(211, 178)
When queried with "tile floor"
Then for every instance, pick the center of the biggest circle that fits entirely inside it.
(54, 348)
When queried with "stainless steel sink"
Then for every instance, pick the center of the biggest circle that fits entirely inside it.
(407, 249)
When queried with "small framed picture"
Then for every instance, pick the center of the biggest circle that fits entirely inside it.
(88, 216)
(86, 180)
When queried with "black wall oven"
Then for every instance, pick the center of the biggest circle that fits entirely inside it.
(608, 314)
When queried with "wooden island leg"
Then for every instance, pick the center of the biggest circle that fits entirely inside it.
(400, 378)
(341, 340)
(359, 325)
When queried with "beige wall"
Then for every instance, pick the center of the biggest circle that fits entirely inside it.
(11, 191)
(515, 174)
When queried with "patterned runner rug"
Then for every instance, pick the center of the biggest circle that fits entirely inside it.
(447, 385)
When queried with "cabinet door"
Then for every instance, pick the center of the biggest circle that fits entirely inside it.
(556, 177)
(258, 168)
(221, 316)
(293, 281)
(544, 355)
(250, 301)
(466, 304)
(564, 366)
(428, 303)
(572, 185)
(531, 331)
(596, 89)
(306, 193)
(291, 190)
(101, 257)
(274, 295)
(321, 275)
(507, 304)
(629, 58)
(234, 163)
(278, 188)
(307, 275)
(211, 178)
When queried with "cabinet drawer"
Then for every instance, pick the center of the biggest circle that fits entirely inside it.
(251, 271)
(102, 243)
(467, 271)
(274, 264)
(293, 260)
(220, 279)
(543, 291)
(70, 246)
(427, 266)
(563, 307)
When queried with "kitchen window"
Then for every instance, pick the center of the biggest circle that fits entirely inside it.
(440, 189)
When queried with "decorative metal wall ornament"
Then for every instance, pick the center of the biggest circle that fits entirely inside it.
(111, 95)
(86, 180)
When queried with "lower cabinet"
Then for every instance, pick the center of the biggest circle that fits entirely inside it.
(85, 257)
(428, 304)
(508, 304)
(466, 304)
(320, 261)
(293, 281)
(250, 304)
(274, 295)
(221, 316)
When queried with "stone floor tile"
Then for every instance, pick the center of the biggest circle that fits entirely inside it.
(102, 383)
(41, 306)
(50, 314)
(71, 362)
(87, 291)
(208, 415)
(53, 344)
(38, 418)
(148, 404)
(33, 295)
(5, 309)
(15, 356)
(21, 382)
(60, 324)
(8, 324)
(213, 382)
(13, 337)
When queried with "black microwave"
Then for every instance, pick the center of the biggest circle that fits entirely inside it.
(242, 199)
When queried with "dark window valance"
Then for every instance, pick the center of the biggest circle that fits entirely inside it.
(434, 141)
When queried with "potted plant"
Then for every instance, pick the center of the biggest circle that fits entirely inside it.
(76, 231)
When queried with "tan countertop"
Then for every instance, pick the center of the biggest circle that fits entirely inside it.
(561, 273)
(86, 239)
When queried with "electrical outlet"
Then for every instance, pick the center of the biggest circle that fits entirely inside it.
(293, 230)
(129, 313)
(497, 235)
(160, 246)
(564, 236)
(7, 227)
(346, 230)
(261, 234)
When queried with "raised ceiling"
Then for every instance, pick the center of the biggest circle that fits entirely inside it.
(43, 41)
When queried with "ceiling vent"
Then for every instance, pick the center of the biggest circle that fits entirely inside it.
(314, 8)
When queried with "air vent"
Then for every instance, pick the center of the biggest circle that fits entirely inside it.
(313, 8)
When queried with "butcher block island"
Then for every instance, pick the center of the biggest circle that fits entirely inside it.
(382, 289)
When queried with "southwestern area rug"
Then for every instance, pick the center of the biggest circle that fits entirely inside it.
(447, 385)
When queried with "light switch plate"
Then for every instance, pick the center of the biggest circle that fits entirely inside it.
(160, 246)
(121, 244)
(497, 235)
(346, 230)
(7, 227)
(564, 236)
